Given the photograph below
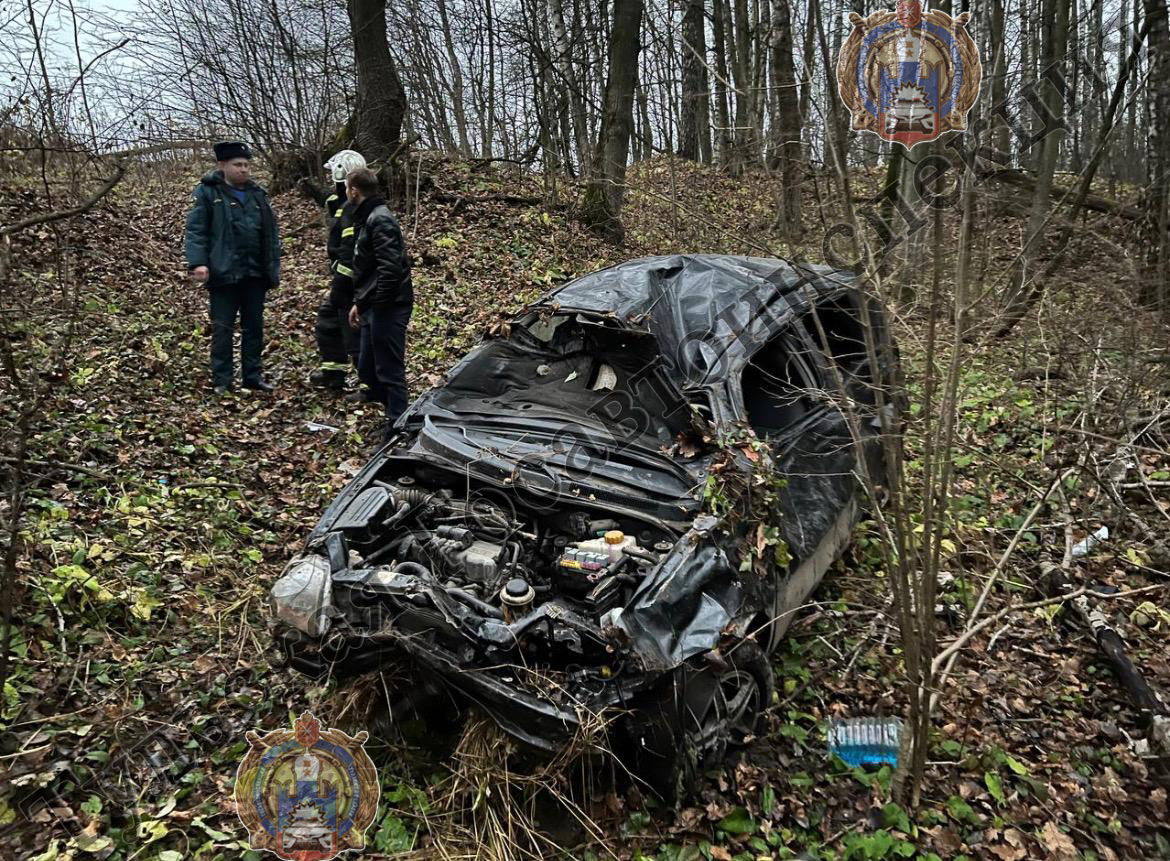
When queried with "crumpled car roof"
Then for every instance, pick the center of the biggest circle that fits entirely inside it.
(680, 295)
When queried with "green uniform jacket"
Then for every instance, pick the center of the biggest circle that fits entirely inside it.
(219, 232)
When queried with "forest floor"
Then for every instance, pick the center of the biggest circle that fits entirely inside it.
(160, 516)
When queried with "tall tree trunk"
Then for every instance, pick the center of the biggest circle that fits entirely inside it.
(1074, 84)
(694, 56)
(1117, 146)
(1132, 150)
(1155, 269)
(490, 113)
(456, 81)
(787, 123)
(722, 112)
(1001, 135)
(704, 100)
(1055, 29)
(381, 100)
(836, 120)
(806, 83)
(602, 203)
(741, 58)
(563, 59)
(761, 30)
(646, 139)
(595, 23)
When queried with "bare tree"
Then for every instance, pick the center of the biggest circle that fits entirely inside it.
(1156, 265)
(694, 139)
(1050, 101)
(602, 205)
(786, 121)
(381, 99)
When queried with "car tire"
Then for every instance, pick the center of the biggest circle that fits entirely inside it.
(700, 711)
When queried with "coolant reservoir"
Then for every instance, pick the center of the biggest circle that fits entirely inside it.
(616, 542)
(613, 544)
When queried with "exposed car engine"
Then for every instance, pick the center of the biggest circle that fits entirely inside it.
(499, 560)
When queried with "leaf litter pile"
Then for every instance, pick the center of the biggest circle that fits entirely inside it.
(159, 516)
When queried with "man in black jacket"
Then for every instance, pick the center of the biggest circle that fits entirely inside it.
(383, 294)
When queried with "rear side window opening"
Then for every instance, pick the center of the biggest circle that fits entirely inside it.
(776, 386)
(844, 333)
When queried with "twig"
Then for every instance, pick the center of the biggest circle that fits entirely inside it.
(952, 651)
(70, 467)
(967, 635)
(1115, 441)
(85, 206)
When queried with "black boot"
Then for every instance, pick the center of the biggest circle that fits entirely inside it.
(361, 396)
(333, 380)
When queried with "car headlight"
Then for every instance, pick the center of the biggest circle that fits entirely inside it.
(302, 596)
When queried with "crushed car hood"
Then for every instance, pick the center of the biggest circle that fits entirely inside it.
(524, 455)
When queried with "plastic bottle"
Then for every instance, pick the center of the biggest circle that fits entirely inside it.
(866, 741)
(1086, 544)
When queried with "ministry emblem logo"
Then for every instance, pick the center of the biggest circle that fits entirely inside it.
(307, 794)
(909, 76)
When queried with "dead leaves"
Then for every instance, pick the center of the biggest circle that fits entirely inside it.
(1012, 849)
(1058, 844)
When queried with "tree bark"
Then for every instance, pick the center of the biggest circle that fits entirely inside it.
(456, 82)
(1001, 134)
(1055, 27)
(602, 203)
(485, 136)
(1155, 268)
(787, 123)
(722, 112)
(741, 62)
(563, 60)
(694, 87)
(381, 99)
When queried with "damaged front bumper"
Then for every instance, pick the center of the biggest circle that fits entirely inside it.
(532, 720)
(441, 638)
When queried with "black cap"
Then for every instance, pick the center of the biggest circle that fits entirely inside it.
(517, 589)
(227, 150)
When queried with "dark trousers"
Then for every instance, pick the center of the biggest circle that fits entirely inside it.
(382, 362)
(245, 299)
(337, 342)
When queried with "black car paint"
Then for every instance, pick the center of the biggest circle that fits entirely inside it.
(656, 312)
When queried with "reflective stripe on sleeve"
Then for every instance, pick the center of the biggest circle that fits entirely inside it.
(342, 269)
(347, 231)
(338, 213)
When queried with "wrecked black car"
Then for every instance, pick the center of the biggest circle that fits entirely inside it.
(615, 504)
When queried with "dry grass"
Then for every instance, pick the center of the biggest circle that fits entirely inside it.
(495, 801)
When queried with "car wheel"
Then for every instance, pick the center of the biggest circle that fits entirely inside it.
(699, 713)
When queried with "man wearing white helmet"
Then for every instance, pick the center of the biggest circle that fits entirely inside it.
(337, 342)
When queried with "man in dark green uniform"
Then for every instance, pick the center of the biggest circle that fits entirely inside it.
(233, 249)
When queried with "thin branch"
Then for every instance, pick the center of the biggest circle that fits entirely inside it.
(61, 214)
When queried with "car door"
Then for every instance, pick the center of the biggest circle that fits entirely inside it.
(783, 394)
